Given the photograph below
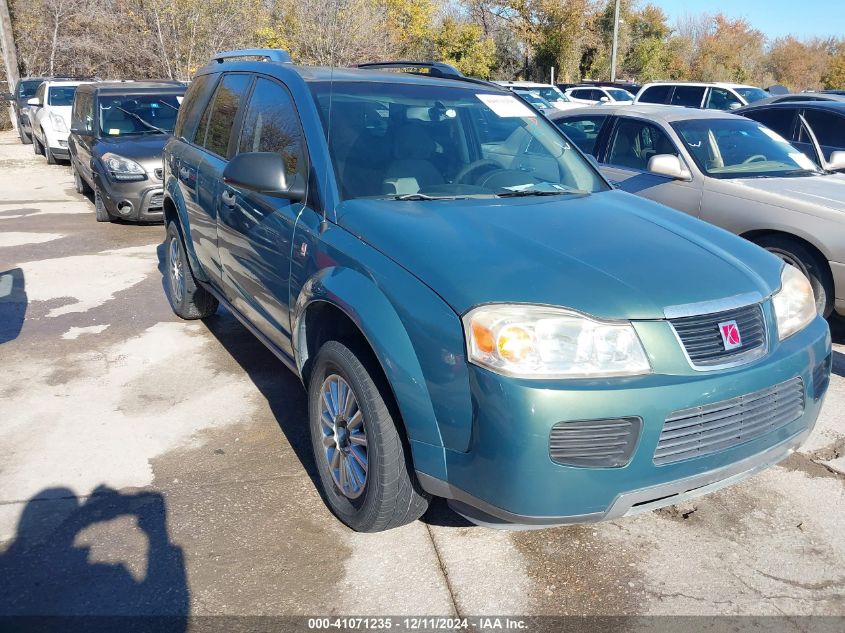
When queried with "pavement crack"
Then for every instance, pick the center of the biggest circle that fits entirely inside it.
(445, 573)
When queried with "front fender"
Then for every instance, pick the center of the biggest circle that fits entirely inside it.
(174, 193)
(418, 341)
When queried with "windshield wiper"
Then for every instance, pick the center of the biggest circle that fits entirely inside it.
(422, 196)
(533, 192)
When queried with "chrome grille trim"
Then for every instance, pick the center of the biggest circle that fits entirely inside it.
(710, 428)
(702, 343)
(594, 443)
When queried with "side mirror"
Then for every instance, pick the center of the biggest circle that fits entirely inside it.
(668, 165)
(734, 105)
(34, 101)
(836, 161)
(603, 100)
(263, 172)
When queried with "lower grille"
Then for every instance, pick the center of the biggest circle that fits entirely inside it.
(594, 443)
(156, 201)
(703, 342)
(715, 427)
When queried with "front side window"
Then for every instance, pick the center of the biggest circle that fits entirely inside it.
(752, 94)
(635, 142)
(583, 130)
(221, 113)
(828, 128)
(781, 120)
(620, 95)
(688, 96)
(121, 115)
(737, 148)
(721, 99)
(444, 141)
(271, 124)
(61, 95)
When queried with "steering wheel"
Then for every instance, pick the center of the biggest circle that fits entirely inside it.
(755, 159)
(476, 164)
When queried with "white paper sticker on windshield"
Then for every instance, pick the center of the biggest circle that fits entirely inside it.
(802, 160)
(506, 105)
(772, 134)
(179, 99)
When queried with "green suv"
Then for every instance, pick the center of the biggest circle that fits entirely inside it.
(475, 312)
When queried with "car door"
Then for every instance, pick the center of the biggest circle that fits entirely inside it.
(82, 134)
(255, 231)
(202, 168)
(721, 99)
(36, 112)
(828, 128)
(631, 144)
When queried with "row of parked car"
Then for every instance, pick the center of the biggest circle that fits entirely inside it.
(476, 310)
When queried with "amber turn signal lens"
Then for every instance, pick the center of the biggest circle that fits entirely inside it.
(483, 338)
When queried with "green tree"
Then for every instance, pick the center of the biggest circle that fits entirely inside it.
(463, 45)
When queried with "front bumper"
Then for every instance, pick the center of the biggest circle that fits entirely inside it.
(508, 476)
(138, 201)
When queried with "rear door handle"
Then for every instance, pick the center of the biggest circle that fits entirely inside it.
(228, 198)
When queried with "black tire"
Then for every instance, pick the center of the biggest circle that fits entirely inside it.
(194, 301)
(81, 186)
(808, 262)
(51, 159)
(391, 494)
(37, 147)
(100, 212)
(26, 139)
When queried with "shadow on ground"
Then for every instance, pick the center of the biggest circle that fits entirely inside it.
(46, 571)
(13, 303)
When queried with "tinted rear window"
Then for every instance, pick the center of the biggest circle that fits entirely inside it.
(655, 94)
(778, 119)
(688, 96)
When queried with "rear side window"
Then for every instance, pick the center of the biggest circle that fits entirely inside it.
(192, 106)
(271, 124)
(688, 96)
(221, 113)
(583, 131)
(828, 127)
(778, 119)
(81, 118)
(655, 94)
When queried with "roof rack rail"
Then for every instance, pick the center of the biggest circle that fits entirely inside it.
(438, 70)
(268, 54)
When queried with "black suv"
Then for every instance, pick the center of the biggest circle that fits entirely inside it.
(118, 132)
(24, 91)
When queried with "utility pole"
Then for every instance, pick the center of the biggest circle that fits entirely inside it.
(615, 42)
(10, 54)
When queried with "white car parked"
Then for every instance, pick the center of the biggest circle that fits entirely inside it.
(550, 93)
(49, 114)
(594, 95)
(708, 96)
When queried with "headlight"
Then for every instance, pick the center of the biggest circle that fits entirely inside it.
(795, 303)
(542, 342)
(122, 168)
(58, 122)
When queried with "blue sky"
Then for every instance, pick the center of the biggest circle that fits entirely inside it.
(803, 18)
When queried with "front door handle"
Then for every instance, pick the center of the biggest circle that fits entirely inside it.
(228, 198)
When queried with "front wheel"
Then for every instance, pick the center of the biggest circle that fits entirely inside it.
(363, 461)
(26, 139)
(808, 262)
(37, 147)
(101, 214)
(51, 158)
(188, 299)
(81, 186)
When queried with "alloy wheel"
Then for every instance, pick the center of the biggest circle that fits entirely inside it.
(177, 272)
(344, 436)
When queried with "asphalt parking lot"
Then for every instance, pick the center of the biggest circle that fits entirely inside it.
(150, 465)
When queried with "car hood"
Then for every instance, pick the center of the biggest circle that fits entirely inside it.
(822, 192)
(146, 149)
(611, 254)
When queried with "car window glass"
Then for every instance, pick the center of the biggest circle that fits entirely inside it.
(635, 142)
(688, 96)
(40, 93)
(583, 131)
(61, 95)
(224, 109)
(655, 94)
(721, 99)
(190, 109)
(778, 119)
(27, 89)
(828, 128)
(271, 124)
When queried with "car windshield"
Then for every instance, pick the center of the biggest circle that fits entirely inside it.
(620, 95)
(138, 114)
(61, 95)
(415, 141)
(27, 88)
(752, 94)
(551, 94)
(737, 148)
(534, 98)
